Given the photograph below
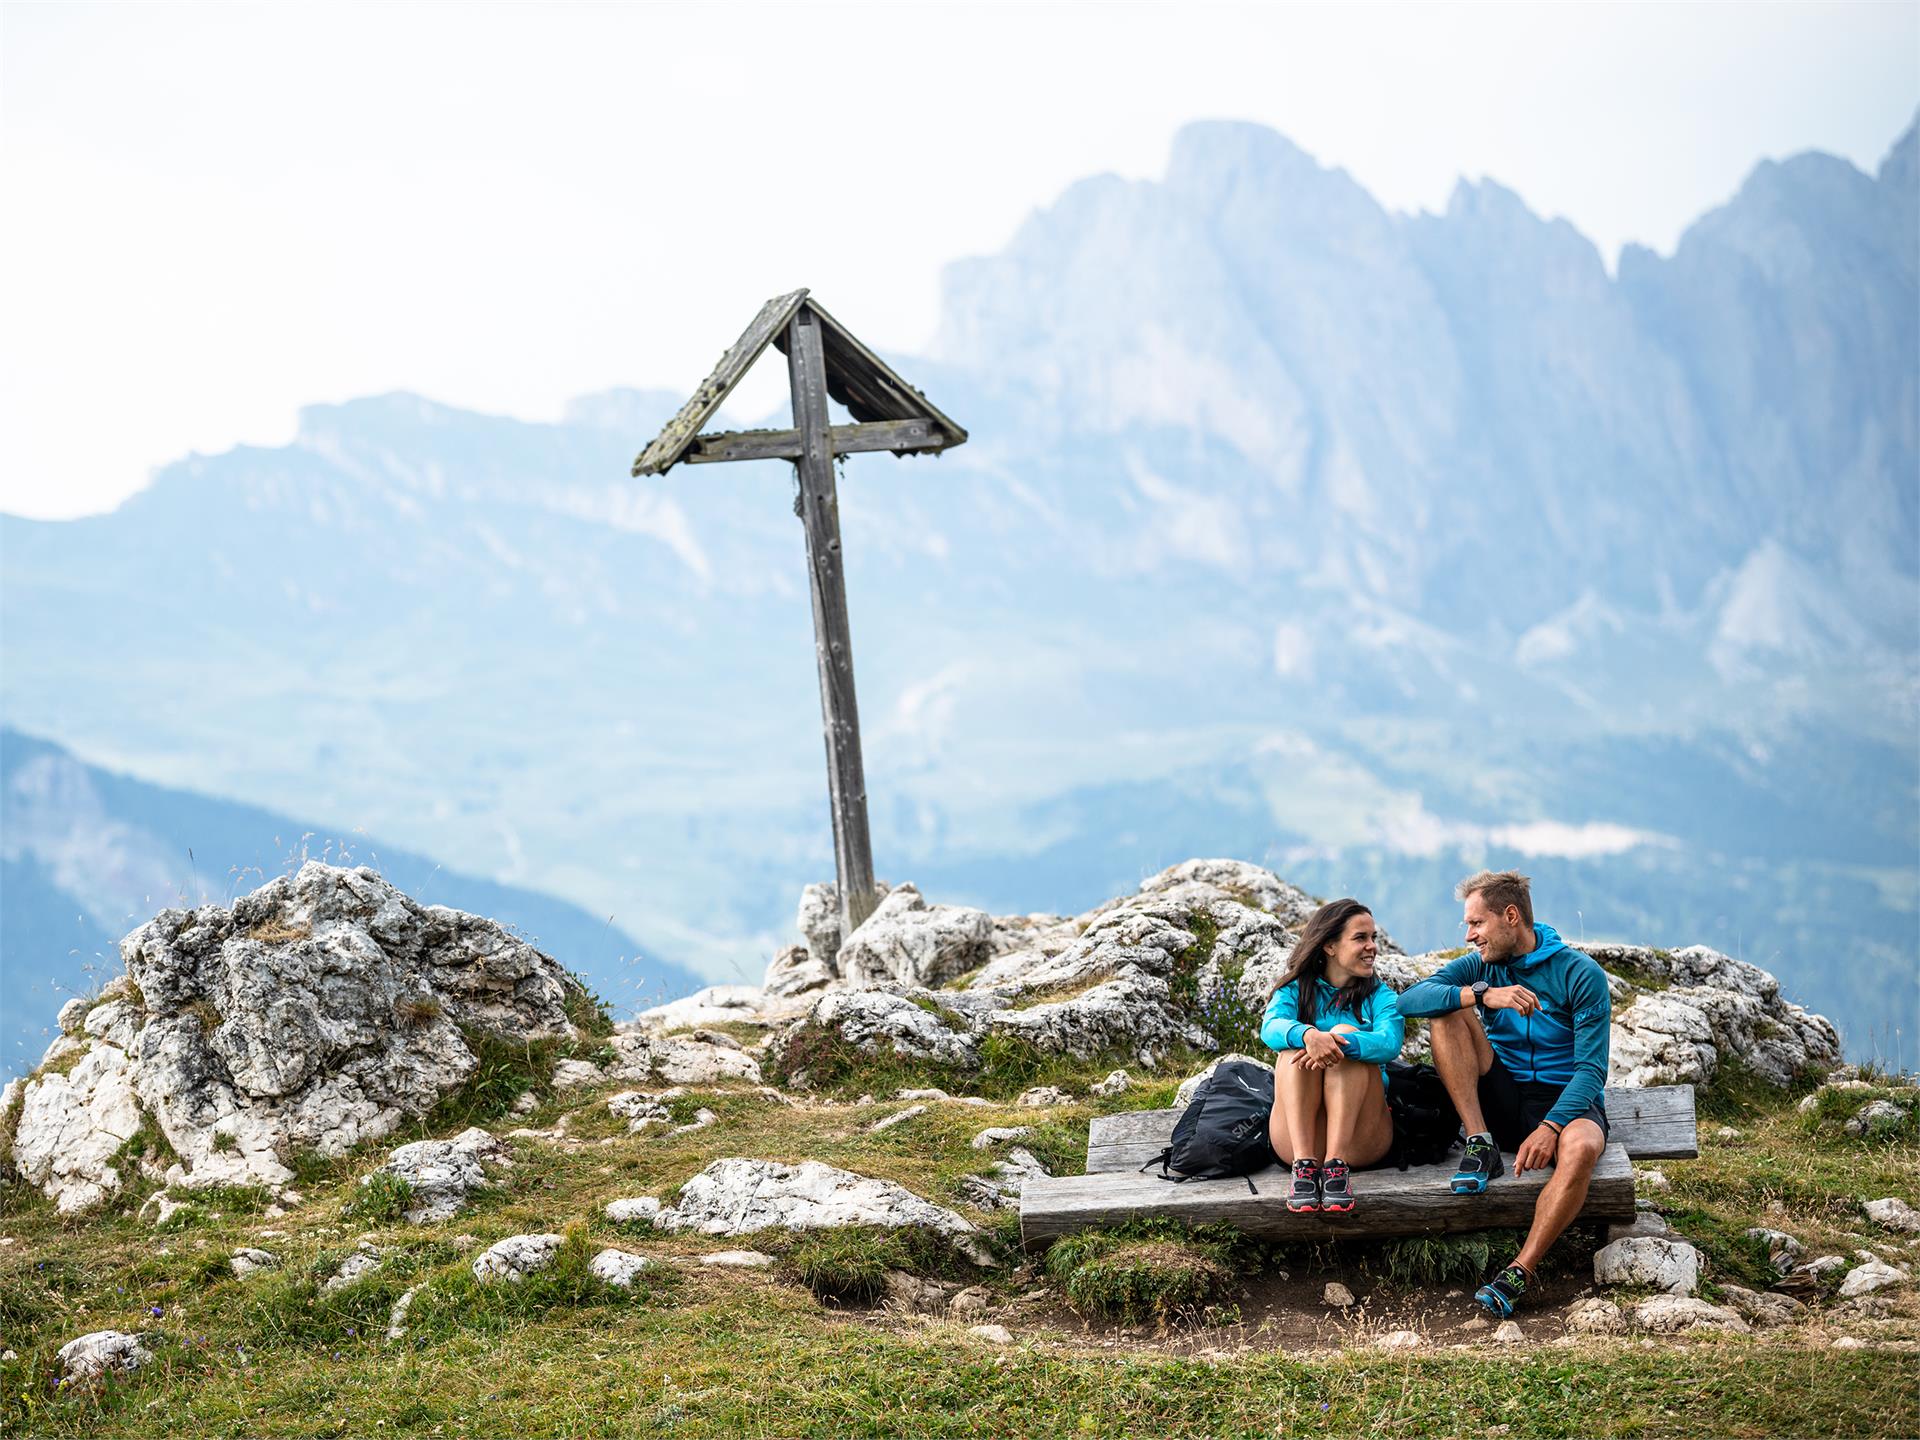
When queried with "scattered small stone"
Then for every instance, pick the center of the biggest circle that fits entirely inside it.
(1116, 1083)
(639, 1111)
(617, 1267)
(1675, 1314)
(463, 1243)
(1892, 1213)
(702, 1118)
(1508, 1333)
(1477, 1322)
(1849, 1342)
(8, 1356)
(912, 1292)
(397, 1317)
(1783, 1251)
(898, 1118)
(1044, 1095)
(515, 1258)
(1874, 1275)
(1822, 1265)
(101, 1351)
(1400, 1340)
(246, 1261)
(1596, 1317)
(1651, 1179)
(999, 1135)
(572, 1074)
(1764, 1312)
(275, 1211)
(525, 1103)
(1336, 1295)
(932, 1092)
(640, 1209)
(1875, 1114)
(1726, 1132)
(738, 1259)
(974, 1300)
(361, 1263)
(996, 1334)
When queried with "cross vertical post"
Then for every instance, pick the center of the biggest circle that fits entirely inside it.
(832, 635)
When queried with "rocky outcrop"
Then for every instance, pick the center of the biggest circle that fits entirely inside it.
(906, 941)
(1712, 1006)
(744, 1197)
(323, 1010)
(441, 1175)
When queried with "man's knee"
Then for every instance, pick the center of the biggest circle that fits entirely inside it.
(1580, 1145)
(1462, 1022)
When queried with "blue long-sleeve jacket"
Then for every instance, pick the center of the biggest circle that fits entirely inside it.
(1379, 1029)
(1564, 1042)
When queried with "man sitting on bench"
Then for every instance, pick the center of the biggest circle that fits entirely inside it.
(1520, 1040)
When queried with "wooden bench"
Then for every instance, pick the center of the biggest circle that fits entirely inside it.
(1651, 1123)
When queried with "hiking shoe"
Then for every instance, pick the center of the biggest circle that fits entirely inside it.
(1304, 1197)
(1336, 1192)
(1500, 1296)
(1479, 1163)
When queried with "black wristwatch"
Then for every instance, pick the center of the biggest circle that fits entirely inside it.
(1479, 988)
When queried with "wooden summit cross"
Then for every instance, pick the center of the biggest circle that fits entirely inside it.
(823, 359)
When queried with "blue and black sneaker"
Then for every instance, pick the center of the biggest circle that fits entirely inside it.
(1479, 1163)
(1500, 1296)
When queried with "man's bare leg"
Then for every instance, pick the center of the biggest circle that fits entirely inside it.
(1461, 1055)
(1559, 1203)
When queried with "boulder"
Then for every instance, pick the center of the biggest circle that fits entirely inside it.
(638, 1211)
(1892, 1213)
(1670, 1265)
(103, 1352)
(999, 1135)
(1336, 1295)
(357, 1266)
(794, 972)
(906, 941)
(1677, 1314)
(441, 1174)
(704, 1057)
(617, 1267)
(1876, 1116)
(1873, 1275)
(322, 1011)
(878, 1021)
(1508, 1333)
(744, 1197)
(992, 1334)
(515, 1258)
(819, 921)
(1116, 1083)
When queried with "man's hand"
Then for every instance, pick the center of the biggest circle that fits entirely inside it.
(1536, 1152)
(1516, 998)
(1319, 1050)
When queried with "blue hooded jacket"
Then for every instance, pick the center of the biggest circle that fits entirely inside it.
(1564, 1042)
(1380, 1028)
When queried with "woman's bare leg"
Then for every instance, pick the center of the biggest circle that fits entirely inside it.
(1359, 1125)
(1298, 1126)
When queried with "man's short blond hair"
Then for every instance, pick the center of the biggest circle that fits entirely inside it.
(1499, 889)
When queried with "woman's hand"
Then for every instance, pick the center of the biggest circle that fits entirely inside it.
(1319, 1050)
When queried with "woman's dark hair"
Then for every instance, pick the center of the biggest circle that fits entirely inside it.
(1308, 962)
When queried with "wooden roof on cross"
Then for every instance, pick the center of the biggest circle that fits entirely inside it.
(860, 380)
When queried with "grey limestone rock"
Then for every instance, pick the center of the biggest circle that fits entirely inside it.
(794, 971)
(1763, 1310)
(1676, 1314)
(617, 1267)
(515, 1258)
(323, 1010)
(103, 1351)
(441, 1174)
(744, 1197)
(247, 1261)
(701, 1058)
(1875, 1115)
(1872, 1275)
(1892, 1213)
(357, 1266)
(877, 1020)
(1595, 1316)
(1670, 1265)
(906, 941)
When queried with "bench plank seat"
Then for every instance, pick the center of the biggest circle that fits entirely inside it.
(1653, 1122)
(1392, 1202)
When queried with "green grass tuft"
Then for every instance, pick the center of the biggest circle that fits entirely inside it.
(1142, 1272)
(383, 1198)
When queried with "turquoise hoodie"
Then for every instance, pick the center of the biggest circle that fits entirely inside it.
(1381, 1030)
(1564, 1041)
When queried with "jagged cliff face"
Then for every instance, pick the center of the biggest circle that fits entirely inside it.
(1289, 527)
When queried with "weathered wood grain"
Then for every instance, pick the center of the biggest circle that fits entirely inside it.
(1391, 1202)
(869, 387)
(1654, 1122)
(832, 635)
(902, 437)
(679, 432)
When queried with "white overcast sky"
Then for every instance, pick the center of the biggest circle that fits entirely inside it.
(216, 214)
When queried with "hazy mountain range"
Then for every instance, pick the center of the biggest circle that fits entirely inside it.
(1365, 545)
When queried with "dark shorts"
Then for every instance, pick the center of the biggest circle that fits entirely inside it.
(1515, 1108)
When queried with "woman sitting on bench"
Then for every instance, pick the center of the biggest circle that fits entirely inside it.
(1335, 1026)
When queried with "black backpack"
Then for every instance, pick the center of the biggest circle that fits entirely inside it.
(1223, 1130)
(1425, 1124)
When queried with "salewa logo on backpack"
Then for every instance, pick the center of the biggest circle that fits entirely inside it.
(1223, 1131)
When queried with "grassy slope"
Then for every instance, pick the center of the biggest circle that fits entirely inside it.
(702, 1351)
